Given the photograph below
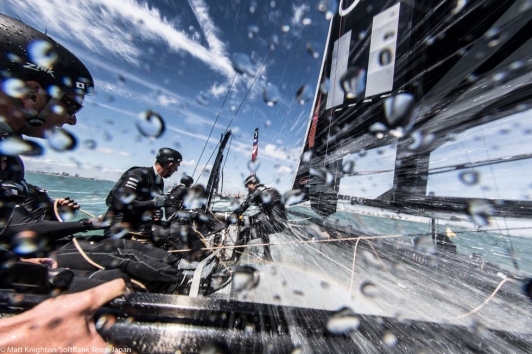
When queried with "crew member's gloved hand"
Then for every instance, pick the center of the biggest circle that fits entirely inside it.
(161, 200)
(68, 202)
(235, 216)
(93, 224)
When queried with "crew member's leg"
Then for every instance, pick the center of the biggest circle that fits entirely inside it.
(243, 239)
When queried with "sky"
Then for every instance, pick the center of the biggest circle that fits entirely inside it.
(178, 59)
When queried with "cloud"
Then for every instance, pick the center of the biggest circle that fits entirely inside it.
(284, 169)
(120, 21)
(188, 163)
(106, 150)
(123, 153)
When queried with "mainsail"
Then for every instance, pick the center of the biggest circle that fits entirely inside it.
(412, 98)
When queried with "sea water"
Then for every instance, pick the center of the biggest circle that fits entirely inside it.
(496, 247)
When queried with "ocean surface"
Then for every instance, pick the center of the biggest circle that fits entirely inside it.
(500, 248)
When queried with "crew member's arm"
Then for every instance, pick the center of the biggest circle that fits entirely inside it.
(61, 322)
(245, 204)
(22, 220)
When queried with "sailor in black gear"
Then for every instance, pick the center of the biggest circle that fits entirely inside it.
(177, 196)
(53, 92)
(272, 218)
(49, 96)
(138, 194)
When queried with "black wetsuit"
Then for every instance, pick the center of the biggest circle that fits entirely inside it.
(31, 207)
(272, 218)
(177, 197)
(131, 203)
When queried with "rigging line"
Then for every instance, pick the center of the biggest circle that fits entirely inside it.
(352, 272)
(509, 243)
(240, 105)
(214, 124)
(223, 103)
(487, 300)
(291, 243)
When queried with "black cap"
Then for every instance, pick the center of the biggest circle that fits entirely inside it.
(187, 180)
(28, 54)
(251, 179)
(168, 155)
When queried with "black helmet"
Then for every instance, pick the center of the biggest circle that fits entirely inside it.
(168, 155)
(187, 180)
(28, 54)
(251, 179)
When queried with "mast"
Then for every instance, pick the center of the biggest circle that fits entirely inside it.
(212, 184)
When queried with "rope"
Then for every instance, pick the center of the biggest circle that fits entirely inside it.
(58, 216)
(487, 300)
(96, 265)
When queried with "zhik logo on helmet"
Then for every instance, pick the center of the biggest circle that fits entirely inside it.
(39, 68)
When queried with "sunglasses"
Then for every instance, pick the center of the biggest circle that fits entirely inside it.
(72, 106)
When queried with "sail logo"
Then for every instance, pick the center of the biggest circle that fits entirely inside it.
(347, 11)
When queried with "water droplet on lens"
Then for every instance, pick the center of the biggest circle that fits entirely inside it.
(150, 124)
(400, 113)
(253, 166)
(60, 139)
(126, 195)
(245, 278)
(304, 94)
(459, 6)
(527, 288)
(389, 339)
(343, 321)
(26, 243)
(469, 178)
(243, 65)
(312, 49)
(271, 95)
(325, 85)
(42, 53)
(424, 245)
(217, 347)
(398, 270)
(493, 36)
(323, 174)
(202, 100)
(354, 82)
(371, 260)
(369, 289)
(292, 197)
(253, 6)
(315, 233)
(273, 42)
(385, 57)
(13, 146)
(14, 87)
(253, 30)
(481, 212)
(90, 144)
(348, 167)
(481, 330)
(420, 140)
(105, 322)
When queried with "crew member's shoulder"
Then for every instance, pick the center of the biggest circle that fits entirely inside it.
(138, 171)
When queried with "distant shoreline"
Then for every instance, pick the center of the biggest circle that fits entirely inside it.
(67, 175)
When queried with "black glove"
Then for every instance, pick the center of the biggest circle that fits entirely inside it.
(219, 227)
(92, 224)
(161, 200)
